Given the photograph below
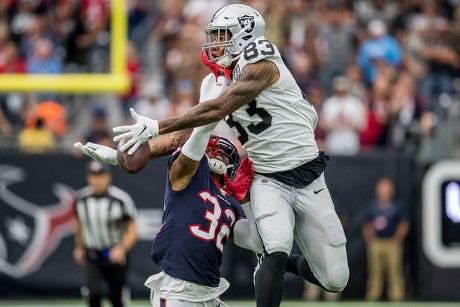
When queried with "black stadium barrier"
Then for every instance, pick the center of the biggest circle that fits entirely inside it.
(36, 227)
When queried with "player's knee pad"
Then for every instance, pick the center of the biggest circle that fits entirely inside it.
(336, 280)
(276, 261)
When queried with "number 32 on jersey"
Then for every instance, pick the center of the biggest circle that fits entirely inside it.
(216, 231)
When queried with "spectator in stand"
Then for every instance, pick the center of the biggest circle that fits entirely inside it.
(183, 67)
(166, 29)
(303, 17)
(4, 5)
(356, 82)
(99, 131)
(44, 61)
(334, 43)
(316, 96)
(78, 45)
(12, 105)
(276, 19)
(153, 102)
(97, 16)
(377, 115)
(4, 36)
(184, 97)
(410, 117)
(301, 65)
(384, 231)
(442, 61)
(11, 62)
(134, 69)
(5, 126)
(454, 40)
(63, 22)
(37, 139)
(201, 11)
(87, 40)
(380, 49)
(35, 31)
(342, 118)
(139, 16)
(416, 39)
(54, 115)
(22, 18)
(385, 10)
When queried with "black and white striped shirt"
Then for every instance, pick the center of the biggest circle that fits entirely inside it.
(103, 218)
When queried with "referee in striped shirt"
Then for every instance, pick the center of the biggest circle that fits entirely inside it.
(105, 232)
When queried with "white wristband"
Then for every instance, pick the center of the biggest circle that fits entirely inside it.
(195, 146)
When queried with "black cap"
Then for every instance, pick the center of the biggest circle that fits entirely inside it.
(97, 168)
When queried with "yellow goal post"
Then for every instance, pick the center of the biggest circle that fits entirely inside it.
(115, 81)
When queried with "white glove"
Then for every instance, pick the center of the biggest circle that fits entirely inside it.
(142, 131)
(98, 152)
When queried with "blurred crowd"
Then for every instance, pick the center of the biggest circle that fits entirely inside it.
(381, 73)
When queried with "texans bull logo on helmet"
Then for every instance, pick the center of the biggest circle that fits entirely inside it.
(29, 233)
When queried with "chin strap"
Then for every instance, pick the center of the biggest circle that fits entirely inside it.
(218, 166)
(227, 60)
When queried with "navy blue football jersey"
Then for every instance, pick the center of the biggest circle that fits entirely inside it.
(195, 227)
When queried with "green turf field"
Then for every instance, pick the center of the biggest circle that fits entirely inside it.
(61, 303)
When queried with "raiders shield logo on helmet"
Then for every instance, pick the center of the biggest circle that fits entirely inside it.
(247, 23)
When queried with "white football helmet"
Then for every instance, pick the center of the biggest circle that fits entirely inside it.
(233, 27)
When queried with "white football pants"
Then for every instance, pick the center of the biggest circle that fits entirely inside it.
(157, 302)
(284, 213)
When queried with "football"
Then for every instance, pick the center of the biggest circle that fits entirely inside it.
(137, 161)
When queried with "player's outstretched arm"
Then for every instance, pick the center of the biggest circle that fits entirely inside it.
(185, 166)
(255, 78)
(162, 146)
(166, 144)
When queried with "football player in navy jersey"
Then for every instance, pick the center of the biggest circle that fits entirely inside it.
(202, 211)
(275, 124)
(206, 203)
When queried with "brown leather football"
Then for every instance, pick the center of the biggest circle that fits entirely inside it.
(137, 161)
